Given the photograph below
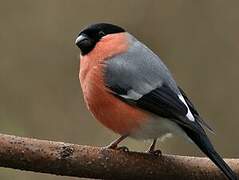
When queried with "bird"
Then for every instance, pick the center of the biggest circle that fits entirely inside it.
(128, 88)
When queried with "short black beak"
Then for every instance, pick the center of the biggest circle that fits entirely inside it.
(82, 40)
(85, 43)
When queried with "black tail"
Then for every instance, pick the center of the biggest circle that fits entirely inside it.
(205, 145)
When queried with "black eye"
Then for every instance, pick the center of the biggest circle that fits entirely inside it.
(101, 33)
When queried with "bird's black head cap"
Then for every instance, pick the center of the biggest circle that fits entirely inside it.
(90, 35)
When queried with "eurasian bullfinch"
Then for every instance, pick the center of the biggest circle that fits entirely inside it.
(129, 90)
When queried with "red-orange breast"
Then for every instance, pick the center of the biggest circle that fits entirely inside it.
(109, 110)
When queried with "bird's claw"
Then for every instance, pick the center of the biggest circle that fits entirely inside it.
(155, 152)
(122, 148)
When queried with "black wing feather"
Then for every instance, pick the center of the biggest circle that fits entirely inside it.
(195, 112)
(164, 102)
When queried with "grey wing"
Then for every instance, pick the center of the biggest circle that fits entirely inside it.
(140, 78)
(139, 71)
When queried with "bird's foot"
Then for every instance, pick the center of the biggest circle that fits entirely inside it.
(157, 152)
(120, 148)
(123, 149)
(114, 144)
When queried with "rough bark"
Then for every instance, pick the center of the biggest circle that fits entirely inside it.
(93, 162)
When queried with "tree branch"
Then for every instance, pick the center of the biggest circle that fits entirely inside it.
(91, 162)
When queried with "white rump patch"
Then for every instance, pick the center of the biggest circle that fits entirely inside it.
(189, 114)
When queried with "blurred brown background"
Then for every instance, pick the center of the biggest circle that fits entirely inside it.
(40, 95)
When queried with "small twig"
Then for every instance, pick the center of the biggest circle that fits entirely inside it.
(92, 162)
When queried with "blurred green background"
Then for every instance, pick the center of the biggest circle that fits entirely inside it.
(40, 95)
